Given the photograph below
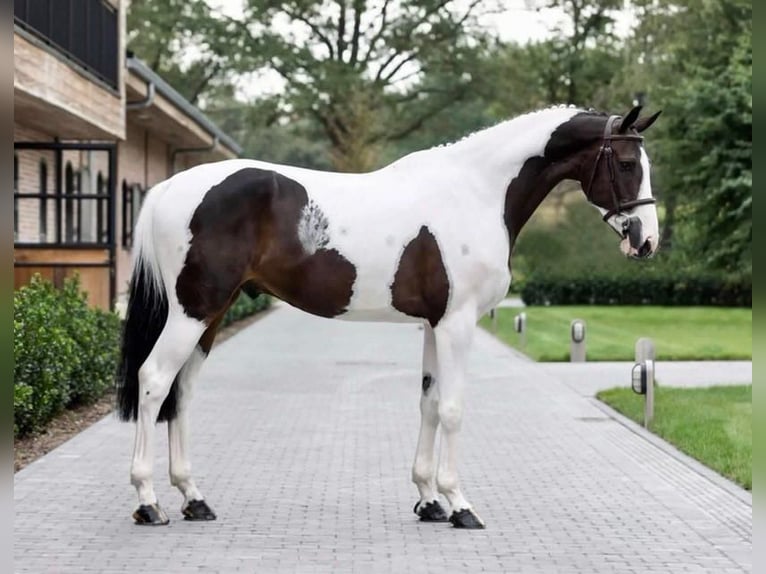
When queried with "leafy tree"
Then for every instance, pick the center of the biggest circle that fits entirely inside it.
(693, 59)
(368, 72)
(583, 52)
(711, 149)
(188, 44)
(265, 133)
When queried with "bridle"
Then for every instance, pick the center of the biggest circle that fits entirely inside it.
(607, 151)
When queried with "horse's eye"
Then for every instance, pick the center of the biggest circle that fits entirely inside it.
(627, 165)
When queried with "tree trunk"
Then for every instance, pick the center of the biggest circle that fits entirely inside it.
(351, 128)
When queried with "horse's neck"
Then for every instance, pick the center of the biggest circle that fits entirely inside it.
(499, 153)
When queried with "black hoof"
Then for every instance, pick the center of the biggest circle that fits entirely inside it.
(466, 518)
(151, 515)
(198, 510)
(430, 512)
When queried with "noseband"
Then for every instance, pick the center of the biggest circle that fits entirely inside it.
(607, 151)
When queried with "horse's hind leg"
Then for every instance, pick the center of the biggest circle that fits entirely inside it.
(194, 505)
(171, 351)
(423, 470)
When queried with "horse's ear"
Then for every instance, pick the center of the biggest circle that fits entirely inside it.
(644, 123)
(629, 119)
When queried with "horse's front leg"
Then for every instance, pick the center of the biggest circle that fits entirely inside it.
(423, 470)
(453, 339)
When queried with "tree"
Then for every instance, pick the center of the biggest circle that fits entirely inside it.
(369, 72)
(190, 46)
(693, 58)
(583, 52)
(265, 133)
(712, 160)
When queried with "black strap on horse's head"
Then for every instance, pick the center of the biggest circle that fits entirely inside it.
(606, 151)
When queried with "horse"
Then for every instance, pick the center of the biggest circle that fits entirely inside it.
(427, 239)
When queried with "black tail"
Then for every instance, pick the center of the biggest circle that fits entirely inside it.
(146, 317)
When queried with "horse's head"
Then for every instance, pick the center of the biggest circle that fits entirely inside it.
(616, 180)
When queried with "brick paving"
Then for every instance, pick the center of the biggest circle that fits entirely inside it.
(303, 434)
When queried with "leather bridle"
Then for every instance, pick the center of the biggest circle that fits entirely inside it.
(607, 152)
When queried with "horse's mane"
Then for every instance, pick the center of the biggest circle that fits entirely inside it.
(589, 112)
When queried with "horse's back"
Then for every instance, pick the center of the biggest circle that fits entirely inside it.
(328, 243)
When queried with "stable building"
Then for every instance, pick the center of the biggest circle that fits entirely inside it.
(94, 129)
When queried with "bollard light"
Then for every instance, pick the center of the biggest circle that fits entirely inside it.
(578, 331)
(638, 378)
(577, 351)
(642, 383)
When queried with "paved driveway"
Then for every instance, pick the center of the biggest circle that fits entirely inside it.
(303, 435)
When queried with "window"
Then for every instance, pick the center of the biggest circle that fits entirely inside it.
(72, 182)
(43, 222)
(102, 209)
(72, 206)
(132, 198)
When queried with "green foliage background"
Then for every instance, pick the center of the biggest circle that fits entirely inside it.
(245, 306)
(690, 58)
(65, 352)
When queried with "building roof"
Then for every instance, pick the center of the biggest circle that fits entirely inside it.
(138, 67)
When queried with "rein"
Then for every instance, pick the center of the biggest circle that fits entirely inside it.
(607, 151)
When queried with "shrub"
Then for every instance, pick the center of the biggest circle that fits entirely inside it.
(65, 352)
(97, 336)
(44, 355)
(647, 288)
(245, 306)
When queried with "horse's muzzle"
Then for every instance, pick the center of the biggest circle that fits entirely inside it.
(632, 235)
(631, 228)
(645, 250)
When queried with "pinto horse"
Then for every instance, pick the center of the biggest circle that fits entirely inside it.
(427, 238)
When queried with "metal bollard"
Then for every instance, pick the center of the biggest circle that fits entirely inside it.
(644, 349)
(577, 343)
(493, 318)
(642, 382)
(520, 326)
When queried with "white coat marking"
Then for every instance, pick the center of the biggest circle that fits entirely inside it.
(312, 228)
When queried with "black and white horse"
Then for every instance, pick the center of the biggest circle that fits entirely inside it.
(426, 239)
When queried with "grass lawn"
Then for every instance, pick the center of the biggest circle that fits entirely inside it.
(712, 424)
(679, 333)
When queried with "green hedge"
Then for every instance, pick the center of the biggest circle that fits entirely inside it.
(639, 289)
(65, 352)
(245, 306)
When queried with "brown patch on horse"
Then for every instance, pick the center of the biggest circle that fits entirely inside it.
(208, 337)
(421, 285)
(569, 154)
(523, 196)
(246, 232)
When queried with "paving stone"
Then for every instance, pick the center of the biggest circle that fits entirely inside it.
(303, 434)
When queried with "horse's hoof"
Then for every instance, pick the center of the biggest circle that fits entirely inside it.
(430, 512)
(151, 515)
(198, 510)
(466, 518)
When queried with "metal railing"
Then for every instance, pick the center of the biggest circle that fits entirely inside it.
(86, 31)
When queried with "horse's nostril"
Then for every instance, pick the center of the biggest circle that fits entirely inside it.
(645, 249)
